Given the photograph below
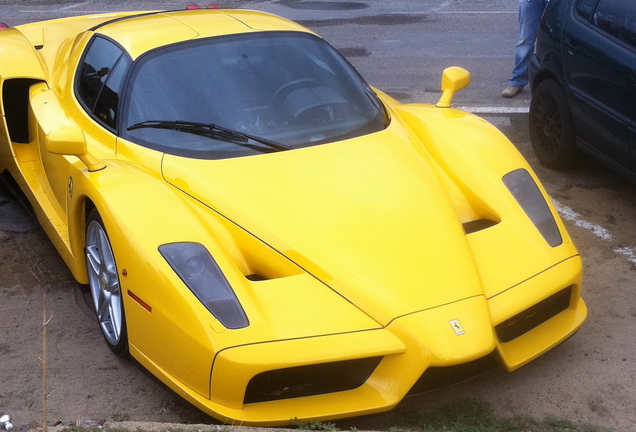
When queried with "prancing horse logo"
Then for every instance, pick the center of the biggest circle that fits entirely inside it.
(457, 327)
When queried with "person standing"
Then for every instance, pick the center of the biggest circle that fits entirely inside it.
(530, 12)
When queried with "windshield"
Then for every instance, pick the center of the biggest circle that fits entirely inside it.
(288, 88)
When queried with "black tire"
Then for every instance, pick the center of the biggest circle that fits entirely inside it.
(551, 126)
(104, 285)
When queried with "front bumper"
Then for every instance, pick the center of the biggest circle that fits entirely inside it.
(559, 288)
(389, 362)
(366, 372)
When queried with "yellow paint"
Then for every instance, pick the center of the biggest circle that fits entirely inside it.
(360, 244)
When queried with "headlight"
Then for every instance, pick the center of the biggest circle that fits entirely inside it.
(523, 187)
(202, 275)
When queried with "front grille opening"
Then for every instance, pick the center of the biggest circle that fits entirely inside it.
(435, 378)
(310, 380)
(525, 321)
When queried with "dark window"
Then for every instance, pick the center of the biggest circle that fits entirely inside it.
(289, 88)
(617, 18)
(106, 106)
(101, 78)
(585, 8)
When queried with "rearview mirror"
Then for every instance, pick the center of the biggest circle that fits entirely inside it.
(66, 140)
(454, 79)
(70, 140)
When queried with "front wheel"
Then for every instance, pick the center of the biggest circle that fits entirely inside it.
(551, 126)
(104, 285)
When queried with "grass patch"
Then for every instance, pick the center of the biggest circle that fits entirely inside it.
(469, 415)
(466, 415)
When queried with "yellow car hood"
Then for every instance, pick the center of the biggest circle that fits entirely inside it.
(366, 216)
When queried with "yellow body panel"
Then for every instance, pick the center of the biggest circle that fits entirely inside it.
(23, 63)
(360, 246)
(373, 249)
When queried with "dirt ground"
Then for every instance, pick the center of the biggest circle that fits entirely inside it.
(589, 378)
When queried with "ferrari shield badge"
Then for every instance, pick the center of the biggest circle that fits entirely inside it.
(457, 327)
(70, 187)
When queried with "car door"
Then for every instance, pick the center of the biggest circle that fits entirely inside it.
(599, 59)
(98, 83)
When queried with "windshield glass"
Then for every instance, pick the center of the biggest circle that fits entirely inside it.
(288, 88)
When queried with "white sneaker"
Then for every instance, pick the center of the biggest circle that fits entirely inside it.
(511, 91)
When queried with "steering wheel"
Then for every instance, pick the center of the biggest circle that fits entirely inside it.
(290, 86)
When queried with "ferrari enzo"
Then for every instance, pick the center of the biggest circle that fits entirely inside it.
(262, 230)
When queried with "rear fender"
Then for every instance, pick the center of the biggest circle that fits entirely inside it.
(20, 59)
(20, 68)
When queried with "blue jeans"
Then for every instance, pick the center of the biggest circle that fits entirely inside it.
(530, 12)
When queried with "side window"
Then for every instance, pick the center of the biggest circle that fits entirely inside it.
(585, 8)
(617, 18)
(101, 78)
(108, 100)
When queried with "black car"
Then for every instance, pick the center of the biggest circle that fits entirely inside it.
(583, 84)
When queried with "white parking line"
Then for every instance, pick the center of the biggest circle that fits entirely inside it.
(477, 12)
(568, 214)
(67, 9)
(495, 110)
(629, 252)
(500, 121)
(73, 6)
(442, 6)
(432, 12)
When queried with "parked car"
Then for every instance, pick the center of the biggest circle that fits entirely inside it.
(265, 232)
(583, 84)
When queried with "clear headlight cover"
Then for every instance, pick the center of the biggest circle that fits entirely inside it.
(523, 187)
(197, 269)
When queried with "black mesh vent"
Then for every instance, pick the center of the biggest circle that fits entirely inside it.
(532, 317)
(439, 377)
(310, 380)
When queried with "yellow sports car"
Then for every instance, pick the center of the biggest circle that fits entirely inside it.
(265, 232)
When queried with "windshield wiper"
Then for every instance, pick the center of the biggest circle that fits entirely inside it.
(210, 130)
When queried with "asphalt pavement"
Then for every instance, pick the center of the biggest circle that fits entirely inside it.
(399, 46)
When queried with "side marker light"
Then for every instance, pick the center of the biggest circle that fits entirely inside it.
(136, 298)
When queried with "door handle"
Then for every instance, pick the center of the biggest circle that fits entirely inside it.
(572, 46)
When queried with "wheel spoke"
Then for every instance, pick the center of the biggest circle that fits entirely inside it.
(547, 123)
(103, 310)
(115, 315)
(105, 252)
(113, 284)
(93, 258)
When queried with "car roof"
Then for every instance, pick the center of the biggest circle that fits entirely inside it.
(141, 33)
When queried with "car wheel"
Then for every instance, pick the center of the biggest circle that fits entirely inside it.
(551, 127)
(104, 285)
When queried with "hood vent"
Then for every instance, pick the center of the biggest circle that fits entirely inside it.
(478, 225)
